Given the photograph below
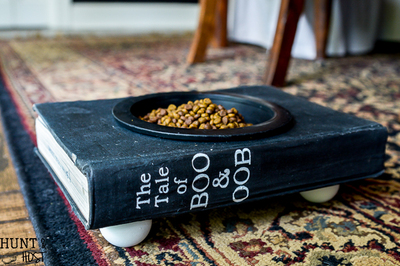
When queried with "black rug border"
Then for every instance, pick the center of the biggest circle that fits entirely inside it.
(56, 232)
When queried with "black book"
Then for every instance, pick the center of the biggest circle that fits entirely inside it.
(112, 174)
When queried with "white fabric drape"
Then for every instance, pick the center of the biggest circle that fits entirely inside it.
(353, 28)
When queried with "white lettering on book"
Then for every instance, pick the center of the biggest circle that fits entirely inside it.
(157, 200)
(241, 155)
(223, 180)
(163, 186)
(199, 200)
(143, 195)
(200, 183)
(144, 190)
(182, 188)
(200, 163)
(241, 175)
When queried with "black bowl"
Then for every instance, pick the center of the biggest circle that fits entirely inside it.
(267, 118)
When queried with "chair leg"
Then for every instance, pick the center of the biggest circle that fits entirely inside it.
(204, 32)
(279, 57)
(322, 15)
(220, 38)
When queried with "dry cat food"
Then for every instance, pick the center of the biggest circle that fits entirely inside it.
(201, 114)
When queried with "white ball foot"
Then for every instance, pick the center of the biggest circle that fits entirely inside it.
(320, 195)
(127, 235)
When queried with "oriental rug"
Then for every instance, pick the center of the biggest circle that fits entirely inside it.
(360, 226)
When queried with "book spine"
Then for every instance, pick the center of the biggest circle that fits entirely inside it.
(140, 190)
(155, 189)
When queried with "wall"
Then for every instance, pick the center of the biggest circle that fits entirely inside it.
(64, 15)
(390, 21)
(23, 14)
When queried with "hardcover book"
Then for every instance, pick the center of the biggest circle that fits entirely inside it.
(113, 175)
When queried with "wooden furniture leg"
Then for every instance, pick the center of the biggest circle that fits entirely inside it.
(212, 28)
(220, 38)
(278, 62)
(204, 32)
(322, 15)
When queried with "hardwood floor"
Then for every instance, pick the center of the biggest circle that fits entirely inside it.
(18, 243)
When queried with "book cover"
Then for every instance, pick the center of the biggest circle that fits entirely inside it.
(112, 175)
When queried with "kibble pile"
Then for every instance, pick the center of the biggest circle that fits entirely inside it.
(201, 114)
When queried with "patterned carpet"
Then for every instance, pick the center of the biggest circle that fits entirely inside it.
(361, 226)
